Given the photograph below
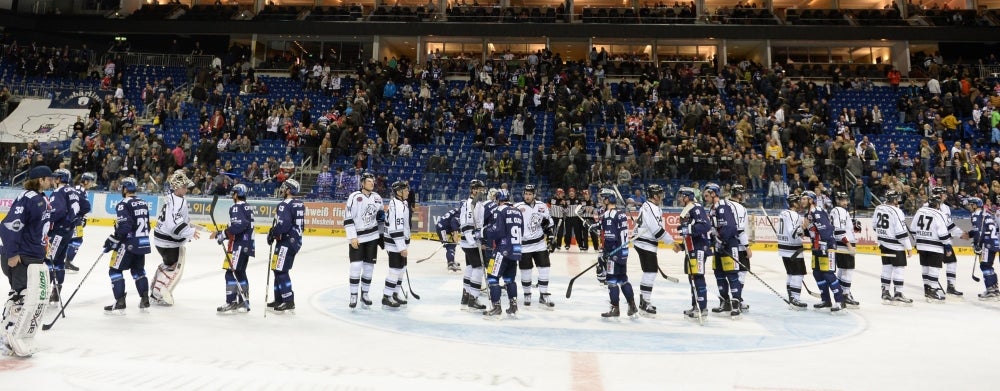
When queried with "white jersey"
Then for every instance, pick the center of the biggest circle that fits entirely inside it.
(649, 228)
(470, 221)
(843, 227)
(78, 230)
(930, 228)
(952, 228)
(533, 239)
(173, 225)
(888, 225)
(742, 223)
(360, 221)
(397, 226)
(789, 234)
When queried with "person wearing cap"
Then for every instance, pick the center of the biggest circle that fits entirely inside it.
(396, 233)
(240, 235)
(21, 258)
(286, 237)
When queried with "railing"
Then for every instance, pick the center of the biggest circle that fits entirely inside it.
(158, 59)
(989, 71)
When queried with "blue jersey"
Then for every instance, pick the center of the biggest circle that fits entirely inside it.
(449, 221)
(987, 236)
(820, 228)
(724, 220)
(695, 226)
(132, 225)
(506, 230)
(290, 222)
(66, 209)
(614, 225)
(489, 208)
(24, 229)
(85, 209)
(240, 230)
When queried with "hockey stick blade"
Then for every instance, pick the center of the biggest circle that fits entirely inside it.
(409, 286)
(434, 252)
(666, 277)
(569, 287)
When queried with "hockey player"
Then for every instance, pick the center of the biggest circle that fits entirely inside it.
(986, 242)
(489, 213)
(557, 206)
(241, 248)
(614, 225)
(87, 181)
(649, 232)
(448, 233)
(173, 229)
(365, 212)
(697, 246)
(727, 242)
(930, 230)
(742, 231)
(844, 230)
(286, 237)
(67, 212)
(790, 226)
(129, 245)
(824, 268)
(505, 230)
(537, 225)
(950, 261)
(22, 232)
(470, 220)
(397, 234)
(894, 244)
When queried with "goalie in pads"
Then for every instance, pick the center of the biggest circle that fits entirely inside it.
(23, 231)
(173, 229)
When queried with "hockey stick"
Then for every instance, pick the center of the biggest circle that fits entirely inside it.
(665, 276)
(229, 259)
(760, 279)
(794, 255)
(979, 254)
(619, 195)
(267, 285)
(409, 285)
(569, 287)
(439, 247)
(70, 299)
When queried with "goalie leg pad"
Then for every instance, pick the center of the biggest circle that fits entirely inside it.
(167, 277)
(23, 318)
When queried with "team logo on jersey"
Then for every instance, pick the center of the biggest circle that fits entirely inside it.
(359, 199)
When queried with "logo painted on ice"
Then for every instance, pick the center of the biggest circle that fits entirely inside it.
(576, 325)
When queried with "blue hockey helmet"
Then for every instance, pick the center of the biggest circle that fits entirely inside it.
(63, 175)
(292, 185)
(503, 195)
(89, 177)
(240, 190)
(608, 195)
(810, 194)
(686, 192)
(129, 185)
(978, 202)
(712, 187)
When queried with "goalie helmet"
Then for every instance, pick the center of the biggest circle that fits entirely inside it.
(491, 195)
(179, 180)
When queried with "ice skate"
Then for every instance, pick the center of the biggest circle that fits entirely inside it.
(736, 313)
(115, 309)
(474, 305)
(612, 313)
(54, 296)
(454, 268)
(545, 301)
(399, 299)
(527, 300)
(387, 301)
(954, 292)
(286, 307)
(990, 295)
(822, 306)
(353, 303)
(366, 302)
(696, 315)
(632, 309)
(838, 308)
(144, 304)
(493, 313)
(229, 308)
(886, 297)
(901, 300)
(724, 307)
(71, 268)
(465, 299)
(850, 302)
(646, 309)
(796, 305)
(512, 310)
(933, 295)
(275, 304)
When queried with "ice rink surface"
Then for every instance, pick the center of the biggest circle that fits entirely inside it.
(431, 345)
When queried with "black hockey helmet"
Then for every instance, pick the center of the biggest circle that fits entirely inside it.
(529, 189)
(892, 196)
(400, 185)
(654, 189)
(737, 189)
(938, 191)
(840, 195)
(476, 184)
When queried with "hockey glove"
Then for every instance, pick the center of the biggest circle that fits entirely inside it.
(220, 237)
(595, 229)
(380, 216)
(110, 244)
(547, 230)
(545, 223)
(271, 237)
(685, 230)
(857, 226)
(948, 250)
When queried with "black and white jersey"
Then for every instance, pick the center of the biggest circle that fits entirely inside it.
(649, 228)
(890, 229)
(952, 228)
(789, 234)
(397, 226)
(470, 221)
(173, 225)
(533, 239)
(360, 221)
(742, 223)
(930, 229)
(843, 228)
